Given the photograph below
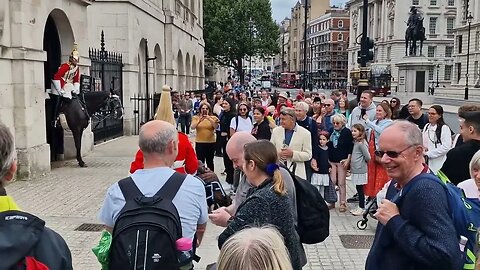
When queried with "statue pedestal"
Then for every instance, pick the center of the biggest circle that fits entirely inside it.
(413, 77)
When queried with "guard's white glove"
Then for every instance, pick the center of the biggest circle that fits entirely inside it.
(76, 88)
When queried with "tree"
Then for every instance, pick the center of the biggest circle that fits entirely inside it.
(234, 29)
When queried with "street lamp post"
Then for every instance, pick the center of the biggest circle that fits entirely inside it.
(283, 48)
(438, 67)
(305, 47)
(311, 64)
(469, 20)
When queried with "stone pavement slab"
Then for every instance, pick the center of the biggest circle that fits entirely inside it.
(69, 196)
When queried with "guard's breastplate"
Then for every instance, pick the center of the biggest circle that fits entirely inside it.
(70, 74)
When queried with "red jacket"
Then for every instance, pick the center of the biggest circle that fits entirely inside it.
(67, 74)
(186, 156)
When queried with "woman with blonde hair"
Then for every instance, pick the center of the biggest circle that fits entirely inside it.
(186, 161)
(267, 203)
(255, 249)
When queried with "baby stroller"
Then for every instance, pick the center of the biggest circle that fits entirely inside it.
(370, 210)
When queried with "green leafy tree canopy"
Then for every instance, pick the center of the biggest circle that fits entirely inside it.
(234, 29)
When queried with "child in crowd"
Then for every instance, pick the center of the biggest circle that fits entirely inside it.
(320, 164)
(358, 165)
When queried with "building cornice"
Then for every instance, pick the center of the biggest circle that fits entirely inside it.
(85, 2)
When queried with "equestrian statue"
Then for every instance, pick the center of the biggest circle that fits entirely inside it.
(415, 33)
(71, 109)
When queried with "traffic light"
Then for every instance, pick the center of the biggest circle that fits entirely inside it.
(370, 54)
(365, 54)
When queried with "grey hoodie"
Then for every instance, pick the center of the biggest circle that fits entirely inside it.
(356, 115)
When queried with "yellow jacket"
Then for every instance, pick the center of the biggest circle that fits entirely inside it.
(7, 203)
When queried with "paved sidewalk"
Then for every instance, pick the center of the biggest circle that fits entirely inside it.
(69, 196)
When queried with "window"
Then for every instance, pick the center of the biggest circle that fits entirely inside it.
(432, 27)
(448, 51)
(389, 53)
(433, 2)
(431, 51)
(450, 24)
(340, 24)
(447, 76)
(459, 43)
(477, 40)
(340, 37)
(430, 73)
(415, 2)
(475, 70)
(459, 71)
(451, 3)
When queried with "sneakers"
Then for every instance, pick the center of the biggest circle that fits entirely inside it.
(353, 199)
(357, 211)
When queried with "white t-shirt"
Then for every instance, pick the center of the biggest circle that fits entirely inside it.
(190, 200)
(243, 124)
(470, 189)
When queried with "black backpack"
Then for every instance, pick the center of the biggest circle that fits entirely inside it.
(313, 216)
(145, 233)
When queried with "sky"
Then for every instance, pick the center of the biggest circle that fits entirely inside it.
(282, 8)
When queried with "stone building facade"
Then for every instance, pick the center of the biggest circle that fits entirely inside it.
(328, 40)
(386, 25)
(461, 47)
(37, 36)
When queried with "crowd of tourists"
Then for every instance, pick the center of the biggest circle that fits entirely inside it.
(394, 155)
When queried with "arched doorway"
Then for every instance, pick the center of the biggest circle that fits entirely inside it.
(158, 69)
(180, 73)
(58, 41)
(194, 74)
(51, 44)
(188, 74)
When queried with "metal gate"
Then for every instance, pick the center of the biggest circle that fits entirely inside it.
(140, 104)
(106, 71)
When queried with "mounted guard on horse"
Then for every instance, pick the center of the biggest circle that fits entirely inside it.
(415, 32)
(74, 110)
(66, 84)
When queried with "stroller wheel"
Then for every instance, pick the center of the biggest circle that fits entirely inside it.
(362, 224)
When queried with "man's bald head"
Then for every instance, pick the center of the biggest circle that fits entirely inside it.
(235, 147)
(158, 137)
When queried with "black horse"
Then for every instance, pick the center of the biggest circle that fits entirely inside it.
(412, 35)
(78, 119)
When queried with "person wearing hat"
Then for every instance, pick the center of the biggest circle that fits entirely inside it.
(455, 166)
(66, 81)
(186, 161)
(293, 142)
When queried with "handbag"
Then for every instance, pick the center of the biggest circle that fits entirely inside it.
(330, 194)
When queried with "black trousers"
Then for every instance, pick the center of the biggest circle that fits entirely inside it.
(185, 120)
(361, 196)
(205, 153)
(218, 143)
(227, 162)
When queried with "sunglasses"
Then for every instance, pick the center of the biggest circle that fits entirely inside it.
(391, 154)
(285, 113)
(242, 110)
(327, 105)
(337, 123)
(393, 101)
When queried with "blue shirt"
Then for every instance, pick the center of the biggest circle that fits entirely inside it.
(190, 200)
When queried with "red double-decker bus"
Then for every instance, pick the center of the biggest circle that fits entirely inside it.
(288, 80)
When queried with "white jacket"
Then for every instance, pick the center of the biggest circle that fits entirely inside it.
(436, 152)
(301, 144)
